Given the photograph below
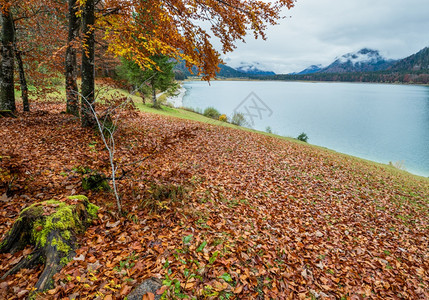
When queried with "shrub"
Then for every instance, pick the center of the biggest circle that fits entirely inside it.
(268, 129)
(211, 112)
(238, 119)
(223, 118)
(302, 137)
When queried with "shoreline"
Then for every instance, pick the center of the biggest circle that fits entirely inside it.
(304, 81)
(177, 101)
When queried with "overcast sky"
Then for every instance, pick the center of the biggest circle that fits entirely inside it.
(318, 31)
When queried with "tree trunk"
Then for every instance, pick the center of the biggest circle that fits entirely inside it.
(22, 80)
(88, 68)
(155, 103)
(51, 228)
(72, 92)
(7, 89)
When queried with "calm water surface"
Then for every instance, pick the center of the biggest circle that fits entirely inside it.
(384, 123)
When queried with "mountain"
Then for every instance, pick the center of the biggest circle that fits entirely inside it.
(366, 65)
(364, 60)
(416, 62)
(310, 70)
(225, 71)
(253, 69)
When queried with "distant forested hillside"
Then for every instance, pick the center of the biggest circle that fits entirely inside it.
(419, 77)
(415, 62)
(412, 69)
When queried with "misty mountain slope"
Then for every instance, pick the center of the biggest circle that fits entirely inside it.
(364, 60)
(254, 68)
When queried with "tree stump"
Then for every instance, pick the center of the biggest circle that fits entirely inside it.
(51, 228)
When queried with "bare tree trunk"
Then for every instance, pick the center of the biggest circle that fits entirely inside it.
(22, 80)
(155, 103)
(88, 68)
(7, 89)
(72, 92)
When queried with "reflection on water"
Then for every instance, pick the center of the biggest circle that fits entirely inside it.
(384, 123)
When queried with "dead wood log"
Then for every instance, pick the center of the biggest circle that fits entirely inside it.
(51, 228)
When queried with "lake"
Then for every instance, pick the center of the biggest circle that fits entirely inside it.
(379, 122)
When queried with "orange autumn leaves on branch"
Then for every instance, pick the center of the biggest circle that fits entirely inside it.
(178, 28)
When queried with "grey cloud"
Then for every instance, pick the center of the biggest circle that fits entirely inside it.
(320, 30)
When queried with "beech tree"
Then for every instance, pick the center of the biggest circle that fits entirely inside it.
(22, 79)
(7, 89)
(137, 30)
(71, 59)
(88, 67)
(38, 38)
(33, 35)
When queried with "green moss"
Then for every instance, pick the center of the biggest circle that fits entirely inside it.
(92, 210)
(64, 261)
(62, 219)
(54, 215)
(78, 197)
(36, 209)
(53, 201)
(66, 234)
(61, 246)
(38, 237)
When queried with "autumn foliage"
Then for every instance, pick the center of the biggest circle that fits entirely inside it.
(135, 30)
(177, 29)
(214, 212)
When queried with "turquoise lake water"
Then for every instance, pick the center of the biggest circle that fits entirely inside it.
(379, 122)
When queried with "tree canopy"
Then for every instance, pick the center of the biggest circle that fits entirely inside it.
(177, 28)
(159, 77)
(136, 30)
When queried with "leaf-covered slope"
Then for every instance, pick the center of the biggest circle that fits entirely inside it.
(260, 217)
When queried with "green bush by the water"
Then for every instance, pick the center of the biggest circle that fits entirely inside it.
(212, 112)
(302, 137)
